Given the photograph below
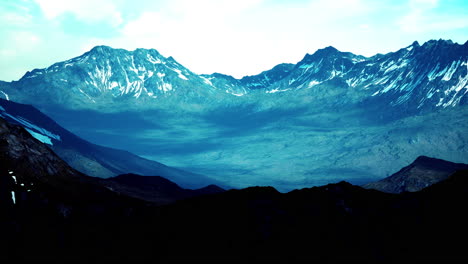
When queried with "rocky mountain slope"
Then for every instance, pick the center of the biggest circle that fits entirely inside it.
(417, 77)
(423, 172)
(88, 158)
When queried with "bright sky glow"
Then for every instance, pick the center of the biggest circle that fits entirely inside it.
(236, 37)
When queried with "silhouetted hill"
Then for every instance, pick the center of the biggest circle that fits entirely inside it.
(423, 172)
(154, 188)
(51, 212)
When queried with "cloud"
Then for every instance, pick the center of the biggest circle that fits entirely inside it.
(85, 10)
(432, 16)
(242, 37)
(208, 36)
(17, 20)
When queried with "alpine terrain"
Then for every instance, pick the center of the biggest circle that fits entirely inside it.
(332, 116)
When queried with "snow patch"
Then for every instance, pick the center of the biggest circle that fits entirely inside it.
(356, 60)
(207, 81)
(462, 84)
(13, 197)
(165, 87)
(183, 77)
(113, 85)
(133, 70)
(179, 73)
(306, 66)
(313, 83)
(453, 67)
(233, 93)
(14, 179)
(152, 59)
(6, 96)
(393, 67)
(31, 126)
(277, 90)
(40, 137)
(151, 94)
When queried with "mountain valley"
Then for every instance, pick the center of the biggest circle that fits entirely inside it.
(233, 131)
(332, 116)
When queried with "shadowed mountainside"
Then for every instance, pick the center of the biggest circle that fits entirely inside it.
(423, 172)
(89, 158)
(154, 188)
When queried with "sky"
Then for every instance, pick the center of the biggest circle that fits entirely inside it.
(235, 37)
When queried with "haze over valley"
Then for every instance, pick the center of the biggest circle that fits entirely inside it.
(332, 116)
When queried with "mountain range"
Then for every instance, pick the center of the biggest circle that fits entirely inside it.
(332, 116)
(417, 77)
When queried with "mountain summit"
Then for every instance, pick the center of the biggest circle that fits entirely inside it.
(416, 77)
(423, 172)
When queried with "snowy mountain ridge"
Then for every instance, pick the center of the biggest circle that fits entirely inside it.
(432, 75)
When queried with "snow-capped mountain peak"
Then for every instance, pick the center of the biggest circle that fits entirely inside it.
(417, 76)
(428, 76)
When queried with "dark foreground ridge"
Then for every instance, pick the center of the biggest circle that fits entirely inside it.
(49, 211)
(155, 189)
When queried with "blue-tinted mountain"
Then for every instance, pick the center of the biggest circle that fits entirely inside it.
(112, 76)
(267, 78)
(156, 189)
(88, 158)
(416, 77)
(332, 116)
(243, 86)
(423, 172)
